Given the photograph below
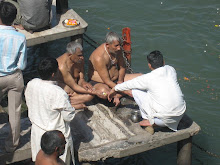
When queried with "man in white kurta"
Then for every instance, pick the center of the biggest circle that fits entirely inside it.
(158, 95)
(48, 109)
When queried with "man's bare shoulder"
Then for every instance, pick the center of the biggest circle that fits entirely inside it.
(62, 62)
(98, 54)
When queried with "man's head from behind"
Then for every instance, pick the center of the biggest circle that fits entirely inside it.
(113, 42)
(75, 51)
(8, 13)
(155, 59)
(47, 68)
(53, 142)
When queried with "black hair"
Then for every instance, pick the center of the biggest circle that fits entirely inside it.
(8, 13)
(50, 141)
(155, 58)
(47, 67)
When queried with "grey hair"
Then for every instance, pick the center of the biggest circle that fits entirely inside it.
(112, 36)
(71, 47)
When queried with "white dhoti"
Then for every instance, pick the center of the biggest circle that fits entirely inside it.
(141, 97)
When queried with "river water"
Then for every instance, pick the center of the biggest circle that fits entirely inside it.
(187, 35)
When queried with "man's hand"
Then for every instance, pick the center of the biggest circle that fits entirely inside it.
(119, 82)
(102, 95)
(116, 101)
(111, 94)
(87, 86)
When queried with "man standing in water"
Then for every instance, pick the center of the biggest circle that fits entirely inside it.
(13, 59)
(157, 94)
(107, 66)
(52, 146)
(71, 76)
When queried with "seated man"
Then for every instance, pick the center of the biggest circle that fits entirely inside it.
(71, 76)
(107, 66)
(157, 94)
(49, 108)
(52, 146)
(32, 15)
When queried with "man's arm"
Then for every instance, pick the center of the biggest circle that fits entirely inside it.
(62, 104)
(100, 66)
(87, 86)
(68, 80)
(23, 56)
(122, 69)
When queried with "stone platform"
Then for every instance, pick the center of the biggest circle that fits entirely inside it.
(101, 132)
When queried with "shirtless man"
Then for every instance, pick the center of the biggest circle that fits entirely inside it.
(71, 76)
(53, 146)
(107, 66)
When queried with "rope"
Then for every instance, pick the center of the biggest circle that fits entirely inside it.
(88, 38)
(208, 152)
(89, 43)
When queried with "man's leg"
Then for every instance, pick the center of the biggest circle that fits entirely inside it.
(77, 100)
(14, 110)
(141, 97)
(102, 89)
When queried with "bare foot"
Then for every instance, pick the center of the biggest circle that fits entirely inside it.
(150, 129)
(145, 123)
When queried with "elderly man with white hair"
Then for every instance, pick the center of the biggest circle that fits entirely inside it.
(71, 76)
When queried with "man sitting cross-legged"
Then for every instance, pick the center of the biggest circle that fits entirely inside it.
(107, 66)
(71, 76)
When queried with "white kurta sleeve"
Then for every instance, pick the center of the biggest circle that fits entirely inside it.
(63, 105)
(140, 82)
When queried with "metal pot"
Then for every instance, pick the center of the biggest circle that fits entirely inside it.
(135, 116)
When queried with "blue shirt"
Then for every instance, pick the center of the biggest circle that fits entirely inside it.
(13, 50)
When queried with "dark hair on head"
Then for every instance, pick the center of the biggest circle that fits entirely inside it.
(8, 13)
(50, 141)
(47, 67)
(155, 58)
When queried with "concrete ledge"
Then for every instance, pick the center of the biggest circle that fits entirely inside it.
(24, 149)
(57, 31)
(137, 140)
(100, 132)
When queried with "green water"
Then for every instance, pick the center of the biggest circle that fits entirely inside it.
(185, 32)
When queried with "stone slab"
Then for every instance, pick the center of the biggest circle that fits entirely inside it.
(131, 138)
(101, 132)
(24, 149)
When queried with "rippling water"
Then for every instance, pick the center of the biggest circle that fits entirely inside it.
(185, 32)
